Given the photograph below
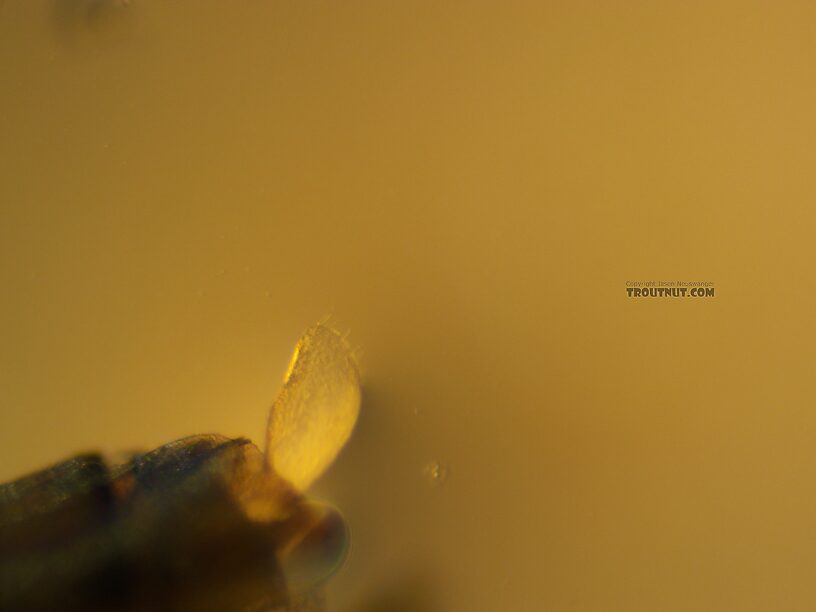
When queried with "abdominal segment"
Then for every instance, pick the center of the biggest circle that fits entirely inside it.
(165, 531)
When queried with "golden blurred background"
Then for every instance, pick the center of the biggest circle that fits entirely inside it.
(466, 186)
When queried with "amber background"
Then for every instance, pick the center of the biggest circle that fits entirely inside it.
(466, 186)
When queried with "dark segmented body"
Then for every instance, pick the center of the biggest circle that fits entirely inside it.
(162, 532)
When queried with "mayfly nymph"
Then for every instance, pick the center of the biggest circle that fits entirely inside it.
(202, 523)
